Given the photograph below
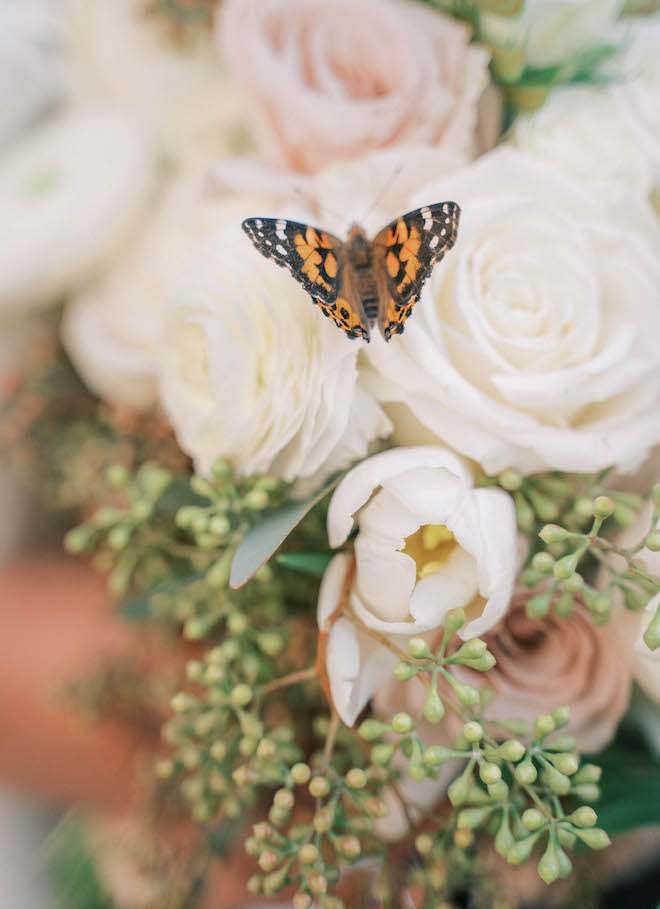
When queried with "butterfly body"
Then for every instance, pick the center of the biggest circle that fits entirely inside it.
(362, 282)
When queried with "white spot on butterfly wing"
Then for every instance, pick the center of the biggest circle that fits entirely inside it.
(280, 249)
(434, 241)
(280, 228)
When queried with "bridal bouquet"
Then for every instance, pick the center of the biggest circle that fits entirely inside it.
(413, 581)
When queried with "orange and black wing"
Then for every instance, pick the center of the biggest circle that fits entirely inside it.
(405, 253)
(312, 256)
(316, 259)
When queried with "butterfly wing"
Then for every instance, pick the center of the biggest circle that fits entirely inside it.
(405, 253)
(314, 257)
(317, 260)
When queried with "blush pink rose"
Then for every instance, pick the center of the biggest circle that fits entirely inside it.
(333, 80)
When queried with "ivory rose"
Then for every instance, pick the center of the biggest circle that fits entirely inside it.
(428, 542)
(71, 193)
(329, 81)
(556, 30)
(534, 343)
(250, 371)
(581, 130)
(112, 329)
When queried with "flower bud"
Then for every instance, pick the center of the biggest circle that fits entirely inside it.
(350, 846)
(521, 850)
(603, 507)
(470, 818)
(586, 792)
(503, 838)
(533, 819)
(403, 671)
(594, 837)
(300, 774)
(382, 754)
(356, 778)
(567, 565)
(566, 838)
(585, 816)
(454, 620)
(241, 695)
(574, 583)
(370, 730)
(652, 541)
(255, 885)
(482, 664)
(538, 605)
(423, 843)
(566, 762)
(466, 694)
(323, 819)
(417, 771)
(308, 854)
(419, 649)
(498, 790)
(556, 781)
(319, 787)
(652, 633)
(490, 773)
(284, 799)
(561, 717)
(301, 900)
(182, 702)
(463, 838)
(543, 726)
(470, 650)
(553, 533)
(525, 517)
(402, 723)
(564, 604)
(525, 773)
(510, 480)
(543, 562)
(473, 731)
(548, 867)
(434, 709)
(588, 773)
(458, 790)
(268, 860)
(511, 750)
(435, 755)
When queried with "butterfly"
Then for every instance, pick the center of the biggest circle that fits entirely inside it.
(360, 282)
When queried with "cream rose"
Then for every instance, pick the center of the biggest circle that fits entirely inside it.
(580, 129)
(335, 80)
(71, 194)
(543, 664)
(635, 83)
(250, 370)
(112, 329)
(177, 92)
(535, 342)
(428, 542)
(31, 65)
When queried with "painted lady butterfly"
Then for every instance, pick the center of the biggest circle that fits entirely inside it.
(361, 282)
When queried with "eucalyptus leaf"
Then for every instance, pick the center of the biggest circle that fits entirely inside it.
(137, 608)
(306, 562)
(261, 541)
(630, 787)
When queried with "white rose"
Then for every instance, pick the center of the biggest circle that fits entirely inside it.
(250, 370)
(31, 69)
(556, 30)
(177, 91)
(428, 543)
(535, 342)
(581, 130)
(334, 80)
(112, 328)
(71, 193)
(635, 83)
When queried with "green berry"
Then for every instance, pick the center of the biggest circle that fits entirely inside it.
(473, 731)
(583, 817)
(402, 723)
(603, 507)
(533, 819)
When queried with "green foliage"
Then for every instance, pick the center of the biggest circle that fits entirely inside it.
(71, 867)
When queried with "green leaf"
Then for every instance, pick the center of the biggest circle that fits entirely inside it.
(306, 562)
(259, 543)
(630, 787)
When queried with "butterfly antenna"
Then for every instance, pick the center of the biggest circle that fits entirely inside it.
(379, 198)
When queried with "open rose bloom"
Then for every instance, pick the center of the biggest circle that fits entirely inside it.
(428, 542)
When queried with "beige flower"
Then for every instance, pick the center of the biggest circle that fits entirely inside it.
(335, 80)
(543, 664)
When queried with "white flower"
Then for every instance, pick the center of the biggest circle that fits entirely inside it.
(556, 30)
(177, 92)
(70, 195)
(635, 83)
(428, 543)
(112, 328)
(31, 70)
(252, 372)
(535, 342)
(329, 81)
(581, 130)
